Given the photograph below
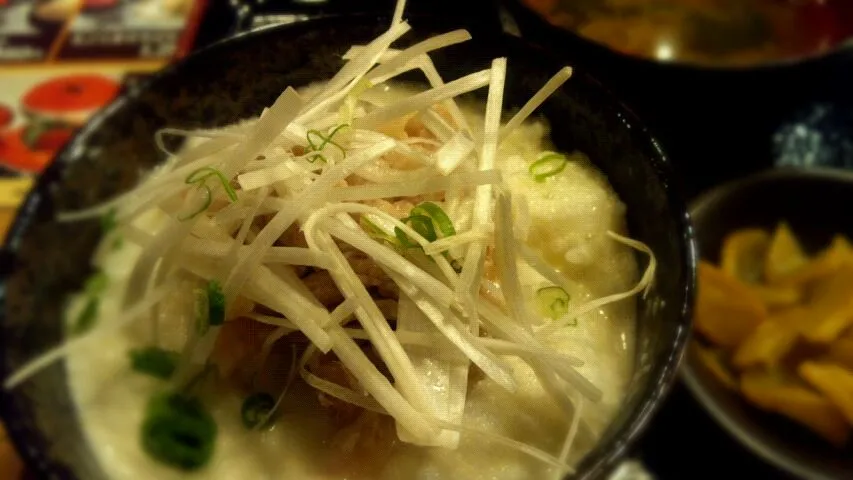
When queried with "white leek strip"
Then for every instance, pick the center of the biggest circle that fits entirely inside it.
(269, 342)
(233, 254)
(573, 431)
(420, 156)
(387, 222)
(437, 125)
(550, 87)
(425, 99)
(102, 331)
(545, 370)
(496, 345)
(408, 414)
(356, 50)
(291, 376)
(419, 187)
(135, 234)
(643, 285)
(205, 346)
(340, 392)
(265, 177)
(164, 241)
(444, 376)
(376, 173)
(203, 150)
(206, 228)
(352, 72)
(399, 8)
(271, 320)
(296, 256)
(264, 131)
(458, 334)
(268, 161)
(232, 214)
(342, 312)
(374, 323)
(522, 447)
(447, 243)
(452, 153)
(422, 141)
(179, 132)
(389, 69)
(393, 260)
(313, 196)
(472, 271)
(272, 291)
(506, 262)
(434, 79)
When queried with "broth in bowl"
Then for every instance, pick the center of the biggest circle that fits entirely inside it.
(724, 33)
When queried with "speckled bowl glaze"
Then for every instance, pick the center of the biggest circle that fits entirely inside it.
(44, 260)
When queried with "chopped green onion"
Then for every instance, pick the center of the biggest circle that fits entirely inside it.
(207, 201)
(109, 221)
(403, 240)
(424, 218)
(96, 284)
(215, 303)
(441, 220)
(423, 225)
(154, 361)
(553, 302)
(118, 243)
(86, 319)
(198, 178)
(178, 431)
(548, 165)
(256, 408)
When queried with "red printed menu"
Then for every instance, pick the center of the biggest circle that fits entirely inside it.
(62, 60)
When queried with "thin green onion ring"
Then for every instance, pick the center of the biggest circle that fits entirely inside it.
(548, 165)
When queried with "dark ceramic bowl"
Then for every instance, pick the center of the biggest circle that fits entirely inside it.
(237, 78)
(813, 202)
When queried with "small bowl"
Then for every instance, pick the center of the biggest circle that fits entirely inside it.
(46, 260)
(813, 202)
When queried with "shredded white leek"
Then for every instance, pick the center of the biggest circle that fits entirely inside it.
(317, 185)
(643, 285)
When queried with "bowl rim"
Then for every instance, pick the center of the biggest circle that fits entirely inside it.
(663, 377)
(841, 49)
(701, 390)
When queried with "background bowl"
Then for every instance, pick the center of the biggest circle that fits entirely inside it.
(237, 78)
(812, 201)
(716, 123)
